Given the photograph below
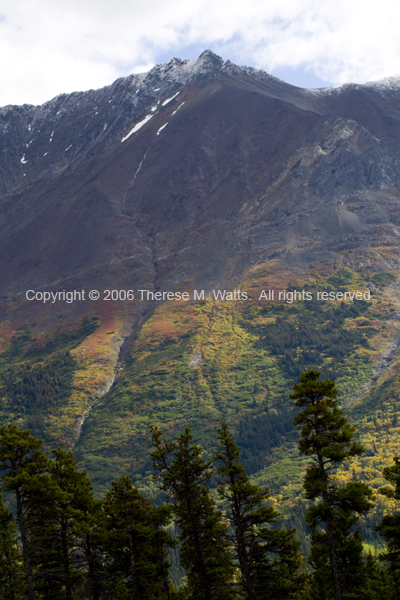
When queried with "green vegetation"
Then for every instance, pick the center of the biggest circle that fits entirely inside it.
(196, 364)
(205, 551)
(389, 527)
(72, 545)
(248, 356)
(135, 543)
(327, 437)
(64, 544)
(12, 582)
(23, 465)
(39, 388)
(318, 335)
(36, 378)
(382, 279)
(269, 560)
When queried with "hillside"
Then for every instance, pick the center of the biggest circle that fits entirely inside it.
(219, 185)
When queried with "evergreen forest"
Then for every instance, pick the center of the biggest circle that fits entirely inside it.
(212, 534)
(188, 466)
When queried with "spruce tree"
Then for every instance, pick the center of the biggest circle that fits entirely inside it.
(11, 575)
(73, 516)
(269, 559)
(23, 465)
(327, 437)
(135, 544)
(379, 584)
(205, 551)
(389, 527)
(92, 540)
(56, 519)
(51, 567)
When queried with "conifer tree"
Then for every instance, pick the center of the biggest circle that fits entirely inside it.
(51, 568)
(92, 540)
(269, 559)
(11, 582)
(56, 519)
(136, 545)
(327, 437)
(205, 552)
(22, 464)
(379, 584)
(73, 512)
(389, 526)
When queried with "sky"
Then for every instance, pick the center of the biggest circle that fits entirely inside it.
(48, 47)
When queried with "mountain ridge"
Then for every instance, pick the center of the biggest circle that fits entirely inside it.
(176, 72)
(199, 175)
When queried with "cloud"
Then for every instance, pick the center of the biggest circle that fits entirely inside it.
(53, 47)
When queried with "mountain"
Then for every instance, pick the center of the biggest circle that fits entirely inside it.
(210, 177)
(197, 169)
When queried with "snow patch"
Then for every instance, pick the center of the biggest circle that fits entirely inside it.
(389, 83)
(169, 99)
(156, 89)
(23, 160)
(161, 128)
(45, 153)
(175, 111)
(137, 127)
(138, 169)
(51, 137)
(29, 143)
(383, 85)
(70, 146)
(153, 108)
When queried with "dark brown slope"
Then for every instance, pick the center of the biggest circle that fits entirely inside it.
(374, 106)
(247, 169)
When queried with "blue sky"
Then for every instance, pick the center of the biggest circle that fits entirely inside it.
(49, 47)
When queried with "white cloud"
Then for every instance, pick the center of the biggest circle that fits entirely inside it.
(53, 47)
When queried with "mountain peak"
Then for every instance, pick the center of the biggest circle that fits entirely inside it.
(182, 70)
(208, 56)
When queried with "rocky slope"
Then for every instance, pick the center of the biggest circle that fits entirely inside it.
(197, 169)
(199, 175)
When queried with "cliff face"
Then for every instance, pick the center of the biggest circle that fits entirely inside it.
(196, 170)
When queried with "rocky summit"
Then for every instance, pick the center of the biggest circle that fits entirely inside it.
(235, 229)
